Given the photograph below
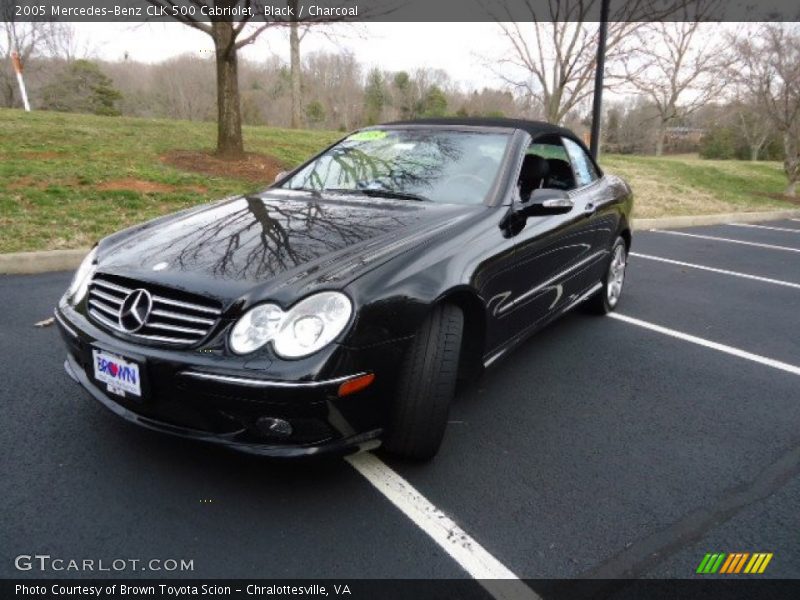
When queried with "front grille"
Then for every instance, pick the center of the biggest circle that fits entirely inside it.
(176, 317)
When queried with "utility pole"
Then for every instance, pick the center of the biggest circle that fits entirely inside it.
(18, 70)
(597, 104)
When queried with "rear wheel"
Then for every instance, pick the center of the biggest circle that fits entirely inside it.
(426, 386)
(607, 298)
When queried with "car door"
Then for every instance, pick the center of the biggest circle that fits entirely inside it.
(555, 257)
(600, 199)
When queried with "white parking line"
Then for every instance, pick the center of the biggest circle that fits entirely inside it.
(469, 554)
(721, 271)
(719, 239)
(789, 229)
(770, 362)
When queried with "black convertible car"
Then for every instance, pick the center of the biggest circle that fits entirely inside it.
(341, 306)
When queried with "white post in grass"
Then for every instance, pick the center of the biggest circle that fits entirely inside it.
(18, 70)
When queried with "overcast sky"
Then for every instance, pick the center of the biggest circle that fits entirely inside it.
(461, 49)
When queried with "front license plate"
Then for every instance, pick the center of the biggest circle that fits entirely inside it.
(120, 376)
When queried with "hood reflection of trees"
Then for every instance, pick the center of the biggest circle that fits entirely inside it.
(263, 238)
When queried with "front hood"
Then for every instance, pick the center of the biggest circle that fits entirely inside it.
(281, 243)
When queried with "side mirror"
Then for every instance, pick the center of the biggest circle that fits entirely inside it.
(280, 176)
(545, 201)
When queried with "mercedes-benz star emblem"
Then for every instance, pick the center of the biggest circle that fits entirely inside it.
(135, 310)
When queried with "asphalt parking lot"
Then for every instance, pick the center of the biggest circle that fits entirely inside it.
(603, 447)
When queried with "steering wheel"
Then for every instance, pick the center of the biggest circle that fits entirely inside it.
(470, 176)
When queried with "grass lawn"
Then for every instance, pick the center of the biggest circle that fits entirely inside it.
(67, 180)
(689, 185)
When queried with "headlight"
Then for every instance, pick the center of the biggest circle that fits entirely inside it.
(307, 327)
(312, 324)
(256, 328)
(80, 282)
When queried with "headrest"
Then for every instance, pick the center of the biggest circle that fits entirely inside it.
(534, 171)
(534, 167)
(560, 168)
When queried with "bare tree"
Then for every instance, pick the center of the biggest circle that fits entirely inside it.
(295, 37)
(752, 123)
(63, 42)
(26, 39)
(335, 81)
(768, 64)
(297, 32)
(551, 57)
(677, 66)
(182, 87)
(229, 37)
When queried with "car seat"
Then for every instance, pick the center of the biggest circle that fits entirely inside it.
(533, 175)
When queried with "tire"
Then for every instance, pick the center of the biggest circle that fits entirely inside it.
(607, 298)
(426, 385)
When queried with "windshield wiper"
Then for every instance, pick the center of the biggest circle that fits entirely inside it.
(379, 193)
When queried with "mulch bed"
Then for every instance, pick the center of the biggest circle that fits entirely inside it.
(257, 168)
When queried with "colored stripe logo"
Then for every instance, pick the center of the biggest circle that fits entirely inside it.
(734, 563)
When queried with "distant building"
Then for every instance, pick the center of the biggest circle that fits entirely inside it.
(684, 139)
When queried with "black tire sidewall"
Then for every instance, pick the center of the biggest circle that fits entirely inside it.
(425, 387)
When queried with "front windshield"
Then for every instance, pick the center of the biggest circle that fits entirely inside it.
(415, 164)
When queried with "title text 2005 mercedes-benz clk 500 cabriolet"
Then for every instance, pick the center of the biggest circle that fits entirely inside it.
(340, 306)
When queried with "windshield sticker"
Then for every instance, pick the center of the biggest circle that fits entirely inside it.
(368, 136)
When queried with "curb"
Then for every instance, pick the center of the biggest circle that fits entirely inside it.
(698, 220)
(66, 260)
(41, 262)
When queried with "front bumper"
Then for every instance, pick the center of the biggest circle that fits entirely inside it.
(197, 399)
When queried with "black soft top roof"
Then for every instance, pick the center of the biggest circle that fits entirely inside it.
(534, 128)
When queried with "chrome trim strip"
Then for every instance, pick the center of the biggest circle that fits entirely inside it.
(264, 383)
(63, 323)
(110, 324)
(105, 312)
(549, 282)
(168, 340)
(189, 305)
(155, 338)
(157, 298)
(584, 296)
(575, 302)
(106, 297)
(493, 358)
(165, 327)
(106, 309)
(173, 315)
(112, 286)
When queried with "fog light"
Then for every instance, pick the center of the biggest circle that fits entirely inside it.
(270, 426)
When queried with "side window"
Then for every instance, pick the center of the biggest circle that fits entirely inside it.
(546, 165)
(585, 173)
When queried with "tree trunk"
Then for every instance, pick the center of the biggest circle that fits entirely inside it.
(297, 101)
(754, 150)
(791, 162)
(661, 136)
(552, 108)
(229, 112)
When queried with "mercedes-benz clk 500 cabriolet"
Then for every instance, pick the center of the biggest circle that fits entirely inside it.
(339, 308)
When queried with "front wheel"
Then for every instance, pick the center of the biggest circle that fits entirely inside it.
(426, 385)
(606, 299)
